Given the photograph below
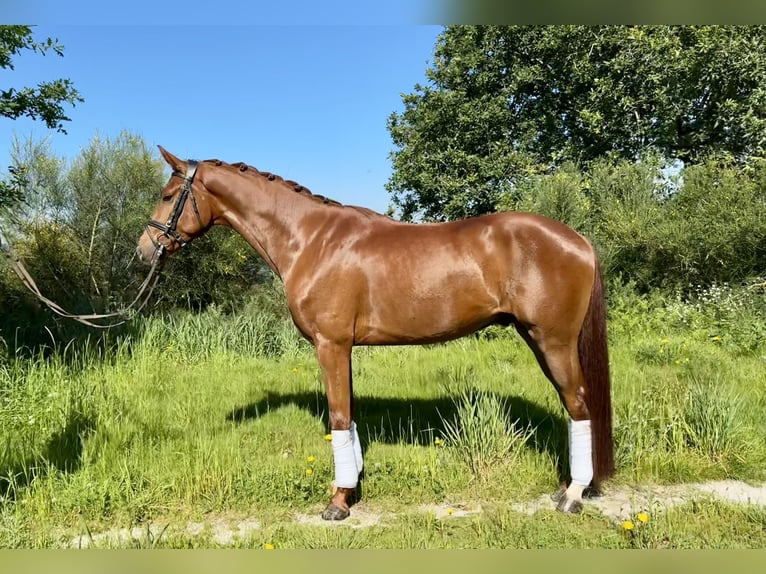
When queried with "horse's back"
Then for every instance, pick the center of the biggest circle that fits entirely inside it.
(508, 244)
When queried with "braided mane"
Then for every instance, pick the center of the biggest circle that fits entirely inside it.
(296, 187)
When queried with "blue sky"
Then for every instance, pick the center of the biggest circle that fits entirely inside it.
(308, 102)
(250, 12)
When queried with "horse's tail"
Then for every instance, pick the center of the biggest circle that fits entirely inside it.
(594, 361)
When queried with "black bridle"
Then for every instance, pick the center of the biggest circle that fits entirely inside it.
(168, 228)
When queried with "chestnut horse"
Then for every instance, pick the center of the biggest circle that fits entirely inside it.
(355, 277)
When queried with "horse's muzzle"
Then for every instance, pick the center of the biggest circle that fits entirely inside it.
(141, 257)
(147, 254)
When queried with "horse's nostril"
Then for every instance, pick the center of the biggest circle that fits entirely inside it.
(141, 255)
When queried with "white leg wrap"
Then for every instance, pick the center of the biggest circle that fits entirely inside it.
(346, 473)
(580, 460)
(357, 447)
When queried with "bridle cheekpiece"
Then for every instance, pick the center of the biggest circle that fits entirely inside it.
(169, 228)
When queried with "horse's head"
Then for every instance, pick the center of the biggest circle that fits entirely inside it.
(182, 213)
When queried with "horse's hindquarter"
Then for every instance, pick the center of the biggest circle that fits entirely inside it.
(395, 283)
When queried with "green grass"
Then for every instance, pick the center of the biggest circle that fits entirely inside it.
(206, 418)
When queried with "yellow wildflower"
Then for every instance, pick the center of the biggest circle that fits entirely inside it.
(437, 441)
(450, 511)
(642, 517)
(309, 472)
(268, 546)
(328, 437)
(628, 525)
(310, 459)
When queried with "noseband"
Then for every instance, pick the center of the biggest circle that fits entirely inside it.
(168, 229)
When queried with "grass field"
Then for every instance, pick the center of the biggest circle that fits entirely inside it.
(206, 422)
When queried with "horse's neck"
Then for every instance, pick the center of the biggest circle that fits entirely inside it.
(266, 215)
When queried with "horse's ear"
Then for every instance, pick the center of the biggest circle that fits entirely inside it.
(172, 160)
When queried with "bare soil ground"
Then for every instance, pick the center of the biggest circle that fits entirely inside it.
(617, 503)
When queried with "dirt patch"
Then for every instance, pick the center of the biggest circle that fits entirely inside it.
(361, 517)
(617, 503)
(620, 503)
(221, 531)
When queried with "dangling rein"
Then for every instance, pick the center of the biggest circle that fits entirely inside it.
(144, 293)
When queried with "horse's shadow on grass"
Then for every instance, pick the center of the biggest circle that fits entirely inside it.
(62, 452)
(420, 421)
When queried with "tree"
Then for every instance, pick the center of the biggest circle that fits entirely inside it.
(508, 102)
(43, 102)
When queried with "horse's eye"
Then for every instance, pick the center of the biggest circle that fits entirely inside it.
(167, 197)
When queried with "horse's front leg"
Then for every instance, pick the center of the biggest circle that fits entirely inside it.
(335, 360)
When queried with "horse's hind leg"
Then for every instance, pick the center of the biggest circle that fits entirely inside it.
(561, 364)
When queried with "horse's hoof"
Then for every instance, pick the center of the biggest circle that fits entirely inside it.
(333, 512)
(568, 505)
